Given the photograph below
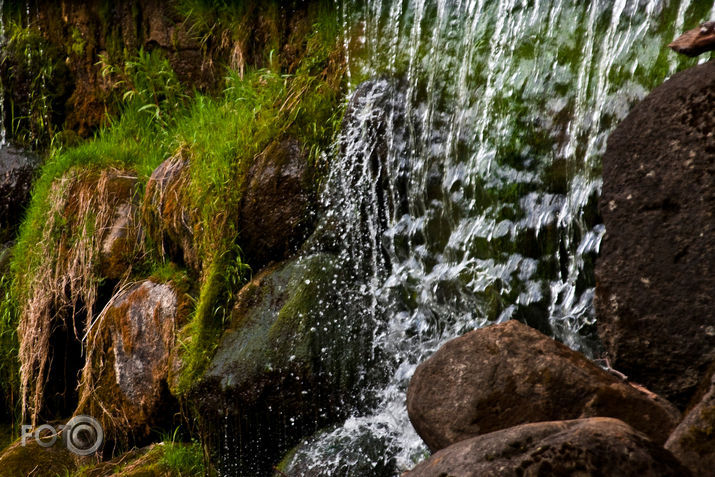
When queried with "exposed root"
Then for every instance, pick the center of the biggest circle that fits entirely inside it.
(61, 284)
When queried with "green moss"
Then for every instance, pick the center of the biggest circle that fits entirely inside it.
(78, 43)
(21, 461)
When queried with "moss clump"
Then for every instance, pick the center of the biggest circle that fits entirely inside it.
(31, 459)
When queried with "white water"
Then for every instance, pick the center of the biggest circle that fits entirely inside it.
(468, 176)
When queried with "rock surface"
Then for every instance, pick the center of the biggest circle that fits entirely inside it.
(276, 213)
(656, 273)
(288, 365)
(17, 171)
(696, 41)
(583, 447)
(693, 441)
(164, 215)
(123, 237)
(510, 374)
(129, 358)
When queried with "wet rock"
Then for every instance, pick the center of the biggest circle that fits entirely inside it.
(693, 441)
(696, 41)
(583, 447)
(361, 450)
(129, 355)
(165, 217)
(276, 212)
(17, 171)
(289, 364)
(510, 374)
(656, 273)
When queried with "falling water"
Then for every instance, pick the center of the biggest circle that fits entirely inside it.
(469, 171)
(3, 138)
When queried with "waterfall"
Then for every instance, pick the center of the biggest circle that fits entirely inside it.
(3, 138)
(469, 170)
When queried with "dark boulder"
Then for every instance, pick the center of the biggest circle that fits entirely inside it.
(276, 213)
(656, 273)
(510, 374)
(289, 364)
(693, 441)
(130, 350)
(17, 171)
(584, 447)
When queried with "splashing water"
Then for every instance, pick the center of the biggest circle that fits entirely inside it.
(468, 175)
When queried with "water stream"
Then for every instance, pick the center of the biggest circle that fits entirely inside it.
(468, 175)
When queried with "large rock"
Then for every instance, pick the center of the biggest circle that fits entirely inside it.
(693, 441)
(510, 374)
(130, 353)
(583, 447)
(656, 273)
(276, 213)
(289, 364)
(17, 171)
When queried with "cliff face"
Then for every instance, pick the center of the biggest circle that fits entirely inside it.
(57, 55)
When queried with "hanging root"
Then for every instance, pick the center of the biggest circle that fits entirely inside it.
(61, 280)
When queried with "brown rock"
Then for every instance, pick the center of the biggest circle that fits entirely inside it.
(164, 214)
(583, 447)
(275, 214)
(123, 237)
(129, 355)
(510, 374)
(696, 41)
(693, 441)
(656, 273)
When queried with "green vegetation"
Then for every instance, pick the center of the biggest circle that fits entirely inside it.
(220, 135)
(37, 85)
(182, 459)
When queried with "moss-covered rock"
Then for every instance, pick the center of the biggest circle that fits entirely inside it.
(20, 460)
(130, 352)
(289, 364)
